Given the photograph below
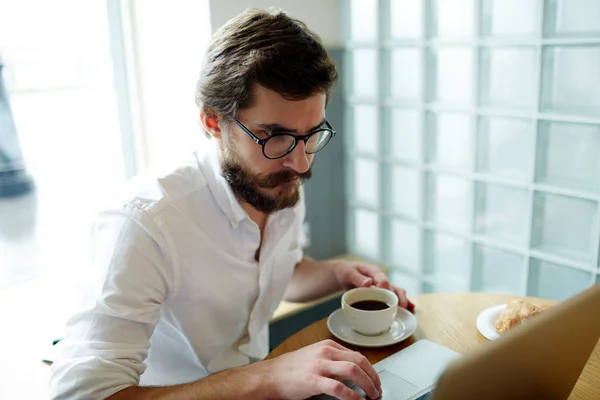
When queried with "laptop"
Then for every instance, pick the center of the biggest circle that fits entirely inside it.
(541, 358)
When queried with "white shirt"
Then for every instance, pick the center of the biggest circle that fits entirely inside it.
(178, 294)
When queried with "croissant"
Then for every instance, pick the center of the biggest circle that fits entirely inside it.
(516, 312)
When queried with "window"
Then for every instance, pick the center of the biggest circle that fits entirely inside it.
(59, 78)
(474, 147)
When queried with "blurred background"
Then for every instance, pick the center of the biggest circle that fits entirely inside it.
(467, 156)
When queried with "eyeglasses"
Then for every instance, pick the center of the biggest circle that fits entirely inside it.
(281, 144)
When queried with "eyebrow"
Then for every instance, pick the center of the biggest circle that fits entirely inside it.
(280, 128)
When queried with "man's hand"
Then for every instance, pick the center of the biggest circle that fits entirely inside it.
(350, 275)
(315, 369)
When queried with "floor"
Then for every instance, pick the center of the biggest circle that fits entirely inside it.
(32, 313)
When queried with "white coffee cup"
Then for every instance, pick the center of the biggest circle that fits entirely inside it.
(369, 322)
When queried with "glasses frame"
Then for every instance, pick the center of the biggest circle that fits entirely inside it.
(305, 138)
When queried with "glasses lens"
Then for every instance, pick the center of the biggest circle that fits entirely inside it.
(278, 146)
(317, 141)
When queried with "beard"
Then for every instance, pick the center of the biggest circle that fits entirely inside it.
(246, 186)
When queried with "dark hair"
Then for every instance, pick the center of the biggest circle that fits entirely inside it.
(265, 47)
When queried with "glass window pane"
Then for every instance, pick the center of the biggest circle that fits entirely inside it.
(509, 17)
(449, 201)
(569, 155)
(572, 18)
(447, 261)
(565, 226)
(405, 246)
(508, 77)
(406, 69)
(451, 143)
(505, 147)
(497, 271)
(366, 181)
(366, 234)
(405, 131)
(502, 213)
(405, 190)
(556, 282)
(406, 19)
(571, 79)
(429, 288)
(454, 76)
(445, 286)
(454, 18)
(364, 73)
(363, 20)
(412, 285)
(365, 129)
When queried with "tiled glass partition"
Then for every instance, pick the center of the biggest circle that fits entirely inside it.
(474, 142)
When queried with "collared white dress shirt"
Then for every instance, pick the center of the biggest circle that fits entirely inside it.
(177, 292)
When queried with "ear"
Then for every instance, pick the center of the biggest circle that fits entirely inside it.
(211, 123)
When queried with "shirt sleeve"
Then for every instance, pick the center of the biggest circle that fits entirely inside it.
(107, 341)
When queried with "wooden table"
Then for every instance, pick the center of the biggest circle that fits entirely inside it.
(448, 319)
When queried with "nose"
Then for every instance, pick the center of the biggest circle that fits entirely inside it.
(297, 159)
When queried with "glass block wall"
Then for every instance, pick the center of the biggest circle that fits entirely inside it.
(474, 142)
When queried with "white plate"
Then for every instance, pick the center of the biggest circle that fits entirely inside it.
(403, 326)
(486, 321)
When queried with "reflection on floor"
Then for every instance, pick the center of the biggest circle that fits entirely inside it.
(18, 255)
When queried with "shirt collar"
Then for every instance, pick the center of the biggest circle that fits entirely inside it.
(211, 168)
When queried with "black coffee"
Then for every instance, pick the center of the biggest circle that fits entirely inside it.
(369, 305)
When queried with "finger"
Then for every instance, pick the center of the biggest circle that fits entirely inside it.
(358, 279)
(402, 299)
(373, 272)
(336, 389)
(401, 293)
(385, 285)
(333, 344)
(350, 371)
(357, 359)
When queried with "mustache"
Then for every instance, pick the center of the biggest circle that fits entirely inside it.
(282, 177)
(237, 177)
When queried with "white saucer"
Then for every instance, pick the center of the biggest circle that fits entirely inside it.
(403, 326)
(486, 321)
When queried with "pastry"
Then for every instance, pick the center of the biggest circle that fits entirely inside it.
(516, 312)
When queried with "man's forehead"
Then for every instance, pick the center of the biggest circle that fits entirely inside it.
(271, 110)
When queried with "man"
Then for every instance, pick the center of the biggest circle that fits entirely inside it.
(191, 267)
